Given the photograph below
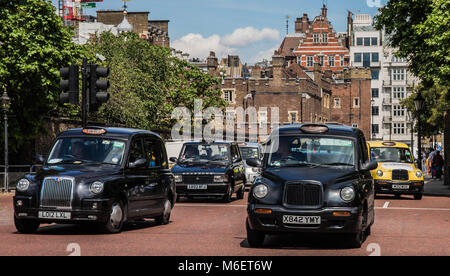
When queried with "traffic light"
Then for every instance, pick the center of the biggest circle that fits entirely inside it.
(96, 85)
(69, 84)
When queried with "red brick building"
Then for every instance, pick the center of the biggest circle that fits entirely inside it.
(316, 42)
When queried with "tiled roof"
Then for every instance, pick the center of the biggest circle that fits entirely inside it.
(295, 71)
(289, 45)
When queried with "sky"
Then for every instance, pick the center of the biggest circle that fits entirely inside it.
(252, 29)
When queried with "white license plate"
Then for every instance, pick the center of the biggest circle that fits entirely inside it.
(400, 187)
(308, 220)
(197, 187)
(54, 215)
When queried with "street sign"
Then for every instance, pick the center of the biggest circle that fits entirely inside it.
(88, 5)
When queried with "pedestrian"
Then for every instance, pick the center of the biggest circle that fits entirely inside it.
(437, 164)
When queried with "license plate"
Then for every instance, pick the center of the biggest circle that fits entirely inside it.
(400, 187)
(54, 215)
(308, 220)
(197, 187)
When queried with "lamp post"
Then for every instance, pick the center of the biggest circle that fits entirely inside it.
(419, 103)
(411, 118)
(5, 107)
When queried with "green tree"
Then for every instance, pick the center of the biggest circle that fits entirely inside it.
(34, 45)
(147, 83)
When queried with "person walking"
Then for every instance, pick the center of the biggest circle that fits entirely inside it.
(437, 164)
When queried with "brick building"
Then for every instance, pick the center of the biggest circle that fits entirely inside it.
(155, 31)
(317, 42)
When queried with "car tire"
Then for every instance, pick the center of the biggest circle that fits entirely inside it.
(164, 218)
(418, 196)
(241, 192)
(355, 240)
(115, 221)
(26, 226)
(255, 238)
(227, 197)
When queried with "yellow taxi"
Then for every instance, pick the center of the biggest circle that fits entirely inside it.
(396, 173)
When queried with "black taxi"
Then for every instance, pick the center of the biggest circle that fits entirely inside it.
(315, 178)
(213, 169)
(103, 176)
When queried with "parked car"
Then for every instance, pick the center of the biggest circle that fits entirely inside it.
(396, 172)
(315, 178)
(103, 176)
(209, 170)
(251, 150)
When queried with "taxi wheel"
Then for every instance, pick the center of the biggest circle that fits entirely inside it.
(164, 218)
(227, 197)
(26, 226)
(356, 240)
(241, 192)
(114, 224)
(418, 196)
(254, 238)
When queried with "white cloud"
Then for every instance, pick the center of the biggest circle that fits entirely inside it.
(198, 46)
(265, 54)
(243, 37)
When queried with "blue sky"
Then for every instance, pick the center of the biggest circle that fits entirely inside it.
(249, 28)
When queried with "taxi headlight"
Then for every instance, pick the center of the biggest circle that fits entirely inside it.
(23, 185)
(348, 193)
(178, 178)
(260, 191)
(96, 187)
(419, 174)
(220, 178)
(379, 173)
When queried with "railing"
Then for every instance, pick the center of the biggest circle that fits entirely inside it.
(15, 172)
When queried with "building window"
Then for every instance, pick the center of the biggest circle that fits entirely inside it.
(375, 92)
(374, 41)
(398, 110)
(342, 61)
(337, 103)
(356, 102)
(398, 92)
(399, 128)
(316, 38)
(398, 74)
(262, 117)
(375, 111)
(366, 60)
(331, 61)
(324, 38)
(230, 116)
(375, 74)
(375, 57)
(396, 59)
(228, 95)
(292, 116)
(310, 61)
(359, 41)
(299, 60)
(357, 57)
(321, 58)
(367, 41)
(375, 129)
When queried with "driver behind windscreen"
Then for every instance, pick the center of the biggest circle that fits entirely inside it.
(79, 150)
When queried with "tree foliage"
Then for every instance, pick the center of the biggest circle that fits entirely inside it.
(147, 83)
(34, 45)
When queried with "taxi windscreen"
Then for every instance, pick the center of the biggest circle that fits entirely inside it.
(390, 154)
(249, 152)
(312, 151)
(87, 150)
(204, 153)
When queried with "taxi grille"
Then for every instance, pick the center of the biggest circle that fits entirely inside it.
(57, 193)
(303, 194)
(198, 179)
(400, 175)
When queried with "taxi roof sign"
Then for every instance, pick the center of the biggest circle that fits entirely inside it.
(94, 131)
(314, 128)
(389, 144)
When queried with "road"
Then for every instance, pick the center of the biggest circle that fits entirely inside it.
(402, 227)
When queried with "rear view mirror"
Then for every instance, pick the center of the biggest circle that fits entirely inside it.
(173, 159)
(137, 164)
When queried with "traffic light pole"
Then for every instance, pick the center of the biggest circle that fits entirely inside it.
(84, 93)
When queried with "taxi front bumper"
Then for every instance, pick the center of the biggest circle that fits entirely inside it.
(399, 187)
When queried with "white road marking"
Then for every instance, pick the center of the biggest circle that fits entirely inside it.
(386, 204)
(418, 209)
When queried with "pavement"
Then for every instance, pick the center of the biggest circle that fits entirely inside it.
(435, 187)
(403, 226)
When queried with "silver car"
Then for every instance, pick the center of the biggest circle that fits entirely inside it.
(251, 150)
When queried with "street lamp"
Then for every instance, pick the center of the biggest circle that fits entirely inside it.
(419, 103)
(5, 107)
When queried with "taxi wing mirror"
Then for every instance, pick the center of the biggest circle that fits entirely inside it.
(39, 159)
(137, 164)
(254, 162)
(173, 159)
(369, 166)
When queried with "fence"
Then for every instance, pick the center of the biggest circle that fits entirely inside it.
(15, 173)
